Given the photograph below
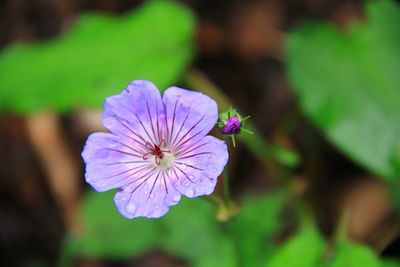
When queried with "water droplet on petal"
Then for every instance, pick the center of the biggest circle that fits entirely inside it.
(124, 198)
(187, 183)
(189, 192)
(131, 208)
(215, 169)
(191, 177)
(209, 155)
(176, 198)
(151, 195)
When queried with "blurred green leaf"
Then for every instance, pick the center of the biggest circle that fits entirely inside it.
(109, 235)
(349, 84)
(390, 263)
(354, 255)
(256, 225)
(394, 195)
(305, 249)
(260, 148)
(195, 234)
(188, 231)
(97, 57)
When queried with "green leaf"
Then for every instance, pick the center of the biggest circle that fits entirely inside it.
(394, 195)
(305, 249)
(390, 263)
(354, 255)
(109, 235)
(256, 225)
(349, 84)
(195, 234)
(97, 57)
(188, 231)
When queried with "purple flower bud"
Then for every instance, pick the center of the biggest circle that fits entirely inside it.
(232, 126)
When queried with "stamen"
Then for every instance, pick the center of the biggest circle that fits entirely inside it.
(148, 153)
(157, 159)
(161, 142)
(149, 145)
(156, 151)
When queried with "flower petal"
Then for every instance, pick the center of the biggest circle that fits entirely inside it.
(197, 169)
(149, 196)
(137, 112)
(189, 115)
(111, 162)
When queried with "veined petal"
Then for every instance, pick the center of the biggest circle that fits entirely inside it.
(150, 195)
(111, 162)
(197, 169)
(137, 112)
(189, 115)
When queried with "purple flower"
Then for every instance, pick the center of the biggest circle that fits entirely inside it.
(157, 150)
(232, 126)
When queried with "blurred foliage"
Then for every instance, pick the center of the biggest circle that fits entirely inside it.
(96, 57)
(307, 248)
(353, 255)
(256, 227)
(196, 236)
(188, 231)
(108, 234)
(394, 190)
(304, 249)
(390, 263)
(349, 84)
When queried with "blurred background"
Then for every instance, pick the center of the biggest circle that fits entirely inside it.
(318, 183)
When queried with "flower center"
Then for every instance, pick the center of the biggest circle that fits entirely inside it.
(162, 158)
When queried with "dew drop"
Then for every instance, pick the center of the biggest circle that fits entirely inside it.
(187, 183)
(176, 198)
(209, 156)
(215, 170)
(104, 184)
(131, 208)
(189, 192)
(151, 195)
(191, 177)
